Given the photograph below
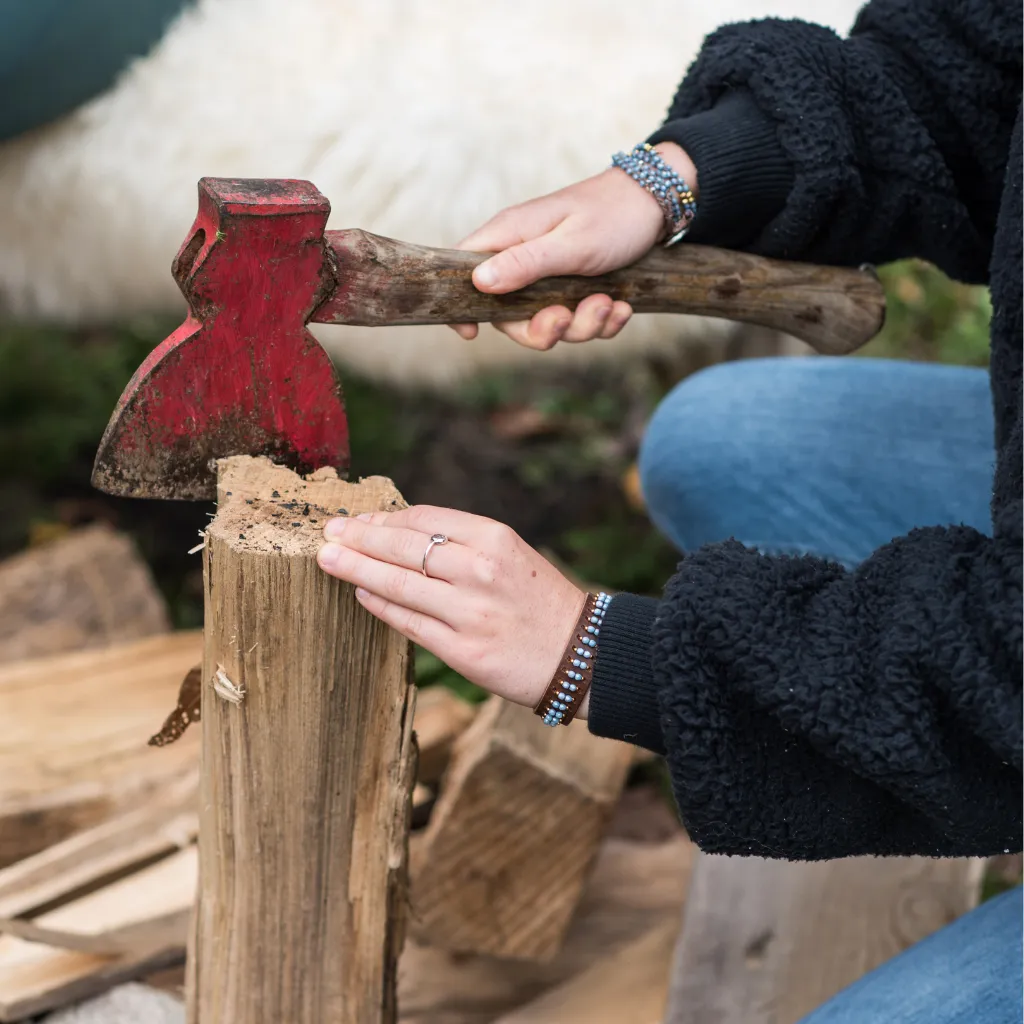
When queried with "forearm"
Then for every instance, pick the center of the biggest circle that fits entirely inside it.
(888, 144)
(809, 712)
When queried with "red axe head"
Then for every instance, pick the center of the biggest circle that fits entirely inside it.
(242, 375)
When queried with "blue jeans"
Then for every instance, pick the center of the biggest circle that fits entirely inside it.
(836, 457)
(833, 457)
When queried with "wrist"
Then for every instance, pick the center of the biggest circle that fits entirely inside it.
(673, 194)
(679, 160)
(566, 694)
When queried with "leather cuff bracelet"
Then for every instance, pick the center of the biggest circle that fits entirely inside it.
(569, 685)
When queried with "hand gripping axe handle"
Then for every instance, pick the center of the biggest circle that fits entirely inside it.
(244, 376)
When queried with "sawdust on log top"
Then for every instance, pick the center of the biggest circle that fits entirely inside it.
(266, 507)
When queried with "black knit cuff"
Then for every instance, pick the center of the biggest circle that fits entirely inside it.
(623, 697)
(743, 174)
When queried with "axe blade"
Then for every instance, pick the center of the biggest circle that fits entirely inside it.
(242, 375)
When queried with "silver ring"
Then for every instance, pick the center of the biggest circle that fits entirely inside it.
(438, 538)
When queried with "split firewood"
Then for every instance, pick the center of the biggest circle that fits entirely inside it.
(73, 738)
(114, 848)
(143, 916)
(308, 765)
(440, 719)
(87, 589)
(514, 834)
(634, 887)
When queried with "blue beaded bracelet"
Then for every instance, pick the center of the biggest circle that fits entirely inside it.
(569, 685)
(678, 205)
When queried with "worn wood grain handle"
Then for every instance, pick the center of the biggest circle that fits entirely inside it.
(383, 282)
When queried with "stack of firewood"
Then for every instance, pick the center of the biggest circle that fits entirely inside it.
(541, 888)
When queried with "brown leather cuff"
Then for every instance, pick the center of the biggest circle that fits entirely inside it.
(564, 694)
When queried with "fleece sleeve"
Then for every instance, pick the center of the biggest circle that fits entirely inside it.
(807, 711)
(888, 144)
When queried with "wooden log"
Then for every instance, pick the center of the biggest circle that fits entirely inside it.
(87, 589)
(308, 765)
(74, 733)
(767, 941)
(441, 718)
(514, 833)
(636, 884)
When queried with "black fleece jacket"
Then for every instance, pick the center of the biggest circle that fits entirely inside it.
(807, 711)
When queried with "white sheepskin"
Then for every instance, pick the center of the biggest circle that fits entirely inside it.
(418, 119)
(128, 1004)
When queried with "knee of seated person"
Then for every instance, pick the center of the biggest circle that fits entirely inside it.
(701, 457)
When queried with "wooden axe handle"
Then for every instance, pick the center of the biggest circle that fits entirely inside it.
(382, 282)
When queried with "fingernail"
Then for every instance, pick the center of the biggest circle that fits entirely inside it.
(362, 594)
(486, 275)
(328, 555)
(335, 528)
(365, 516)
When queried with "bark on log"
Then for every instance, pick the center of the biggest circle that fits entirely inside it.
(308, 765)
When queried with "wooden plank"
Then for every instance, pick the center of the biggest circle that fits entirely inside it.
(514, 833)
(87, 589)
(634, 887)
(74, 737)
(169, 821)
(441, 718)
(35, 978)
(308, 765)
(767, 941)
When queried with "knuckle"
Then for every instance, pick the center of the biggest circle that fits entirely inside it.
(416, 516)
(485, 569)
(474, 656)
(498, 536)
(413, 626)
(405, 549)
(395, 586)
(521, 259)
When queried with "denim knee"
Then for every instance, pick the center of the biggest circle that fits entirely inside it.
(698, 461)
(832, 457)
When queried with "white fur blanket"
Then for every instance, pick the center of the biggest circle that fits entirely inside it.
(417, 119)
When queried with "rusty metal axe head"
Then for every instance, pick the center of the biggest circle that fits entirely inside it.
(242, 375)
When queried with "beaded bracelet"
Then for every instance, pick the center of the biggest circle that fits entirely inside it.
(569, 684)
(678, 205)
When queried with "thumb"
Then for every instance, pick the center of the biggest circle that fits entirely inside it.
(551, 255)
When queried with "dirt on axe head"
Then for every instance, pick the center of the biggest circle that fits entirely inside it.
(242, 375)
